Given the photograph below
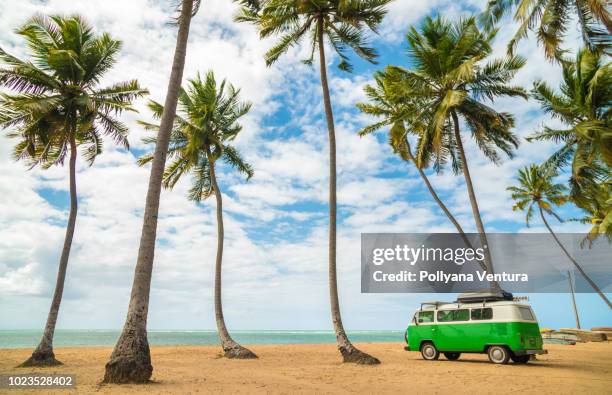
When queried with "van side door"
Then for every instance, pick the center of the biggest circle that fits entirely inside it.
(423, 330)
(453, 330)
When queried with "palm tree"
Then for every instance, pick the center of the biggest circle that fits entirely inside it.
(343, 23)
(583, 104)
(551, 19)
(55, 107)
(537, 189)
(200, 137)
(130, 361)
(597, 204)
(397, 114)
(450, 79)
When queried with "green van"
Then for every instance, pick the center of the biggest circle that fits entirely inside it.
(503, 329)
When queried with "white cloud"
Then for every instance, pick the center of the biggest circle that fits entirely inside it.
(275, 266)
(402, 14)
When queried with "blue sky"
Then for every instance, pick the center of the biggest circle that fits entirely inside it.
(275, 266)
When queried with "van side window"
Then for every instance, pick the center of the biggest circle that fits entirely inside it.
(482, 314)
(526, 314)
(426, 316)
(461, 315)
(453, 315)
(445, 315)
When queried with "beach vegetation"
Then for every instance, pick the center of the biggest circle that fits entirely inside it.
(130, 361)
(582, 104)
(343, 24)
(54, 106)
(204, 127)
(537, 192)
(551, 20)
(455, 81)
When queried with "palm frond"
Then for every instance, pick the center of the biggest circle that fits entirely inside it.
(55, 98)
(234, 159)
(206, 121)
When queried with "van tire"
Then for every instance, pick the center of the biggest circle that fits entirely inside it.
(429, 352)
(498, 354)
(452, 356)
(523, 359)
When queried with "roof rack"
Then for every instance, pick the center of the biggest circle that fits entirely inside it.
(484, 296)
(436, 304)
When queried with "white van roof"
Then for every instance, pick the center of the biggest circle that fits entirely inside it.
(455, 305)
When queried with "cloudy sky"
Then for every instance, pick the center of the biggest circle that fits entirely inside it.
(275, 266)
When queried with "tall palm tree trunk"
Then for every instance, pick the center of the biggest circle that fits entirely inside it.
(130, 361)
(586, 277)
(349, 352)
(571, 287)
(435, 196)
(43, 354)
(473, 202)
(231, 349)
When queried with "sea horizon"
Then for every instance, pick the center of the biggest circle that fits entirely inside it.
(24, 338)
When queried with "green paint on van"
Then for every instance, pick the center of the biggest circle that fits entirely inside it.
(476, 336)
(472, 327)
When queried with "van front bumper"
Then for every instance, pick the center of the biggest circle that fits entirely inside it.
(529, 352)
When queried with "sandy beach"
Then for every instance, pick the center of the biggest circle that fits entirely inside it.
(583, 368)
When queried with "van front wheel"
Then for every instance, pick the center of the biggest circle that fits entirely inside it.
(499, 354)
(429, 352)
(452, 356)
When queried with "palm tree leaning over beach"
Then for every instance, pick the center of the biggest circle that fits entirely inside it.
(130, 361)
(451, 79)
(398, 114)
(200, 136)
(597, 206)
(343, 24)
(583, 106)
(551, 20)
(57, 107)
(536, 188)
(586, 92)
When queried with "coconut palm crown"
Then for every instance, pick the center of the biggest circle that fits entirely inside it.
(391, 110)
(536, 188)
(450, 75)
(206, 122)
(551, 19)
(55, 97)
(342, 22)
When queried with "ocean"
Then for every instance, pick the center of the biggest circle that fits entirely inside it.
(81, 338)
